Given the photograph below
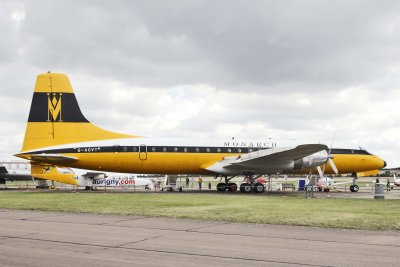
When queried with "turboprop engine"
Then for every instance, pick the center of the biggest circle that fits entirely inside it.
(312, 161)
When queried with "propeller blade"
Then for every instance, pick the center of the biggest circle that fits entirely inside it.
(334, 168)
(321, 174)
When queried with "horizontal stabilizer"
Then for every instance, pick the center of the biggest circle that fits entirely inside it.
(54, 158)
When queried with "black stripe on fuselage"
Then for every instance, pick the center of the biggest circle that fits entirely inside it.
(41, 108)
(150, 149)
(177, 149)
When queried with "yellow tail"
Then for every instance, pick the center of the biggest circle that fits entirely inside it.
(50, 172)
(55, 117)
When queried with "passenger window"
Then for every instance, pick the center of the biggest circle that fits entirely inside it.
(250, 150)
(175, 149)
(197, 149)
(185, 149)
(153, 149)
(229, 150)
(164, 149)
(239, 150)
(208, 149)
(125, 149)
(134, 149)
(218, 150)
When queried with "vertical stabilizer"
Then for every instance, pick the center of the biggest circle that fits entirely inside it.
(55, 117)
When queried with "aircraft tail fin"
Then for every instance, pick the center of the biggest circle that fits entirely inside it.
(55, 117)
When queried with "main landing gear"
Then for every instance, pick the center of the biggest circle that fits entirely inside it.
(222, 187)
(247, 187)
(251, 186)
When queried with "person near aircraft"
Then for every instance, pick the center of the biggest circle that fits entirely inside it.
(200, 181)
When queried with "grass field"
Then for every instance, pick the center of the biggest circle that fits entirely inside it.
(338, 213)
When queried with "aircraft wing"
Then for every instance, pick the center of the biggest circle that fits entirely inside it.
(266, 159)
(52, 158)
(278, 154)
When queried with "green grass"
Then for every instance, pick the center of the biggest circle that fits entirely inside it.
(337, 213)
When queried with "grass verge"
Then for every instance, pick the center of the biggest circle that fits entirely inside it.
(336, 213)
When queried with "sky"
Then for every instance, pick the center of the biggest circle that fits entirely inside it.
(308, 71)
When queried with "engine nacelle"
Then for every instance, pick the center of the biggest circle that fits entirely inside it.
(311, 161)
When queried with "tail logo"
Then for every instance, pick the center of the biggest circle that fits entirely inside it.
(54, 107)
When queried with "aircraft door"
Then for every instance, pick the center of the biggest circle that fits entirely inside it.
(117, 157)
(143, 152)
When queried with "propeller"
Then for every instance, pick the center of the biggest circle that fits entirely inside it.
(321, 172)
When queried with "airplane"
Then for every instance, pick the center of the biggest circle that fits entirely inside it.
(58, 133)
(396, 180)
(15, 171)
(326, 184)
(93, 180)
(21, 171)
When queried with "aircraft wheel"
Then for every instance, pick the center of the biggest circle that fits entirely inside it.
(352, 188)
(258, 188)
(355, 188)
(241, 188)
(221, 187)
(232, 187)
(326, 189)
(245, 188)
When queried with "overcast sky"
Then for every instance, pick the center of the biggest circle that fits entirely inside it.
(303, 70)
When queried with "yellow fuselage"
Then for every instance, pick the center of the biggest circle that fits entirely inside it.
(196, 163)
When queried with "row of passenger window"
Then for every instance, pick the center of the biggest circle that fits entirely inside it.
(195, 149)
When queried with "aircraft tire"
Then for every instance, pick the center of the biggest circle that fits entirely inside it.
(245, 188)
(258, 188)
(352, 188)
(326, 189)
(232, 187)
(356, 188)
(221, 187)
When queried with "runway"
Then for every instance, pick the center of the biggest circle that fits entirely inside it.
(32, 238)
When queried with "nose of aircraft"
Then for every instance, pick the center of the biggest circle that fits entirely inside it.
(380, 163)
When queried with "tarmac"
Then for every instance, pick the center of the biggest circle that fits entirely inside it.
(34, 238)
